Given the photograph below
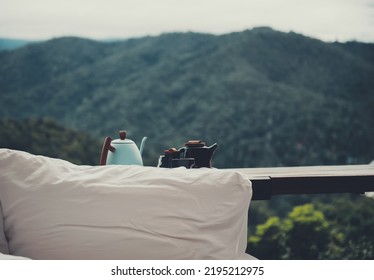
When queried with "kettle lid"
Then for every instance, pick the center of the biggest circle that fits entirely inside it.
(122, 138)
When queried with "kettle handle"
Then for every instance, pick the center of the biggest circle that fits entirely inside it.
(105, 149)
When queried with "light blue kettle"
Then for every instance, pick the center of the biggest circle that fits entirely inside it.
(121, 151)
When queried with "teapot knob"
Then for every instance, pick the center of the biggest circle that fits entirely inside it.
(194, 144)
(122, 134)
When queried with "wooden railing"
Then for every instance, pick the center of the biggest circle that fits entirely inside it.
(268, 182)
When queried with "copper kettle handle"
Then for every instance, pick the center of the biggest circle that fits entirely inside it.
(104, 151)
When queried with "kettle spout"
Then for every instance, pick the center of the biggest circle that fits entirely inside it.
(142, 145)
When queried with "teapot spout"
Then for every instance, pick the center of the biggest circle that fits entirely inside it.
(213, 147)
(142, 145)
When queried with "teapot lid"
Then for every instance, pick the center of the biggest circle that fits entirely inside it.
(172, 151)
(122, 138)
(194, 143)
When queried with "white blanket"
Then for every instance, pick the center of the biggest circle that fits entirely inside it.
(53, 209)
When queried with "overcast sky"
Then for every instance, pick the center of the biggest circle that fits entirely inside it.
(327, 20)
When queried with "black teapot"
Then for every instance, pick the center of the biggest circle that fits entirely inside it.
(194, 154)
(197, 150)
(170, 155)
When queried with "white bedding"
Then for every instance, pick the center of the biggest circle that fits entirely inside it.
(53, 209)
(3, 242)
(11, 257)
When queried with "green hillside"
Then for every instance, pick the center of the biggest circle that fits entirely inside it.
(46, 137)
(268, 98)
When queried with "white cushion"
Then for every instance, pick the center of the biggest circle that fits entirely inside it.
(3, 242)
(54, 209)
(11, 257)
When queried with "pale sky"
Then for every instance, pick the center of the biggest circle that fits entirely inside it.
(328, 20)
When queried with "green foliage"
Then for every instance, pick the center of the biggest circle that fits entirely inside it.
(341, 229)
(268, 242)
(304, 234)
(46, 137)
(354, 216)
(308, 232)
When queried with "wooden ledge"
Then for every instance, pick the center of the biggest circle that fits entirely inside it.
(270, 181)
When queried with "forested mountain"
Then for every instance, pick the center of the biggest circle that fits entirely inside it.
(268, 98)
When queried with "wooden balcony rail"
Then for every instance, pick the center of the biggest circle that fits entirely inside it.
(271, 181)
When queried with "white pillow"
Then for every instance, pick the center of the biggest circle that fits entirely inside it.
(3, 242)
(10, 257)
(54, 209)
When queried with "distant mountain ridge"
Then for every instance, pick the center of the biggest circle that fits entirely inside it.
(267, 97)
(10, 44)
